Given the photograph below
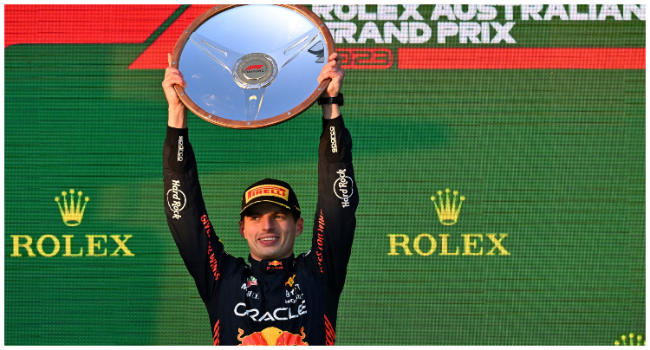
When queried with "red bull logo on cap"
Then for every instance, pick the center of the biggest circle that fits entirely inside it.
(272, 336)
(267, 190)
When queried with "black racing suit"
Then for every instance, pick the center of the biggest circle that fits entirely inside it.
(292, 301)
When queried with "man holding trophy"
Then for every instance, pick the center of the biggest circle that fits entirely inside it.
(273, 298)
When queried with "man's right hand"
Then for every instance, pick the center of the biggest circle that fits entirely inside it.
(177, 111)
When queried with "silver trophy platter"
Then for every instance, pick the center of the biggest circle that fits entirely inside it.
(252, 66)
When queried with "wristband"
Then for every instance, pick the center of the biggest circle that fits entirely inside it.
(331, 100)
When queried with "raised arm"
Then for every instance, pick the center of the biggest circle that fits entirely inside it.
(332, 70)
(177, 110)
(338, 196)
(187, 218)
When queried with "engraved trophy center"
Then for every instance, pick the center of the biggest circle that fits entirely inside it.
(254, 71)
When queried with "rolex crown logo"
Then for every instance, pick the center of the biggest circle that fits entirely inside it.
(70, 213)
(446, 207)
(631, 340)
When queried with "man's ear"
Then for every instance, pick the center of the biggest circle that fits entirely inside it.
(241, 228)
(300, 224)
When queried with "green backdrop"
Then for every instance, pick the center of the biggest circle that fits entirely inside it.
(552, 158)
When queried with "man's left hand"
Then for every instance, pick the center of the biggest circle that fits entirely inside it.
(332, 70)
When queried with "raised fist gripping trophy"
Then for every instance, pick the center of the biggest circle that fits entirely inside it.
(252, 66)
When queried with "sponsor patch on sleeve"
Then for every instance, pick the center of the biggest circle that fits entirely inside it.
(333, 139)
(343, 188)
(179, 155)
(176, 199)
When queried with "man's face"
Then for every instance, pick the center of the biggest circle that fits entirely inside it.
(270, 231)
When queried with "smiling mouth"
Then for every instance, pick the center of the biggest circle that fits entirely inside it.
(269, 240)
